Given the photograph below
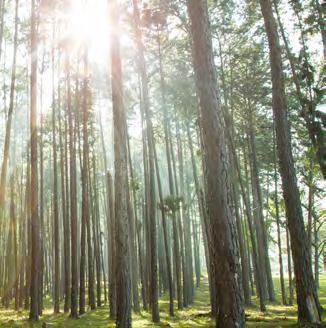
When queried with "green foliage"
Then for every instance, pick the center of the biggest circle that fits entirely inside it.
(171, 204)
(135, 184)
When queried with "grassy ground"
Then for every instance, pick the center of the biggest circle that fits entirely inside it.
(195, 316)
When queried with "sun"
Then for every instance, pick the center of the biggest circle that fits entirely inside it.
(88, 24)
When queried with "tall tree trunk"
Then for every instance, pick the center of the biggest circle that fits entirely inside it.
(176, 246)
(73, 198)
(204, 225)
(257, 268)
(96, 232)
(89, 211)
(307, 298)
(278, 225)
(13, 217)
(35, 235)
(123, 273)
(151, 183)
(288, 246)
(133, 244)
(65, 212)
(112, 247)
(258, 211)
(243, 251)
(316, 252)
(165, 236)
(28, 232)
(41, 147)
(186, 219)
(221, 225)
(55, 199)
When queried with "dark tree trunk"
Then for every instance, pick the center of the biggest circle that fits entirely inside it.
(221, 225)
(307, 298)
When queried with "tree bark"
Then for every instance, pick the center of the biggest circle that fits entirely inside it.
(123, 271)
(222, 229)
(307, 298)
(151, 179)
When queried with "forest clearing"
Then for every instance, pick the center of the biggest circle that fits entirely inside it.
(162, 163)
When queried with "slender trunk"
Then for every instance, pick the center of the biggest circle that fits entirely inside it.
(112, 247)
(89, 211)
(35, 235)
(55, 199)
(243, 251)
(96, 234)
(151, 183)
(257, 268)
(204, 225)
(278, 225)
(258, 214)
(165, 236)
(316, 253)
(65, 214)
(186, 219)
(291, 288)
(73, 198)
(176, 246)
(133, 244)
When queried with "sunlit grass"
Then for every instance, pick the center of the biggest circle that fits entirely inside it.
(196, 315)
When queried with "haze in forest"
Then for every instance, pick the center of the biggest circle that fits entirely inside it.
(163, 163)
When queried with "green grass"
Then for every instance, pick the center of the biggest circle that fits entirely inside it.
(195, 316)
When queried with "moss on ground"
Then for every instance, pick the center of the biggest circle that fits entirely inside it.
(196, 315)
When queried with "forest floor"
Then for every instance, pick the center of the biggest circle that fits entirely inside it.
(196, 315)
